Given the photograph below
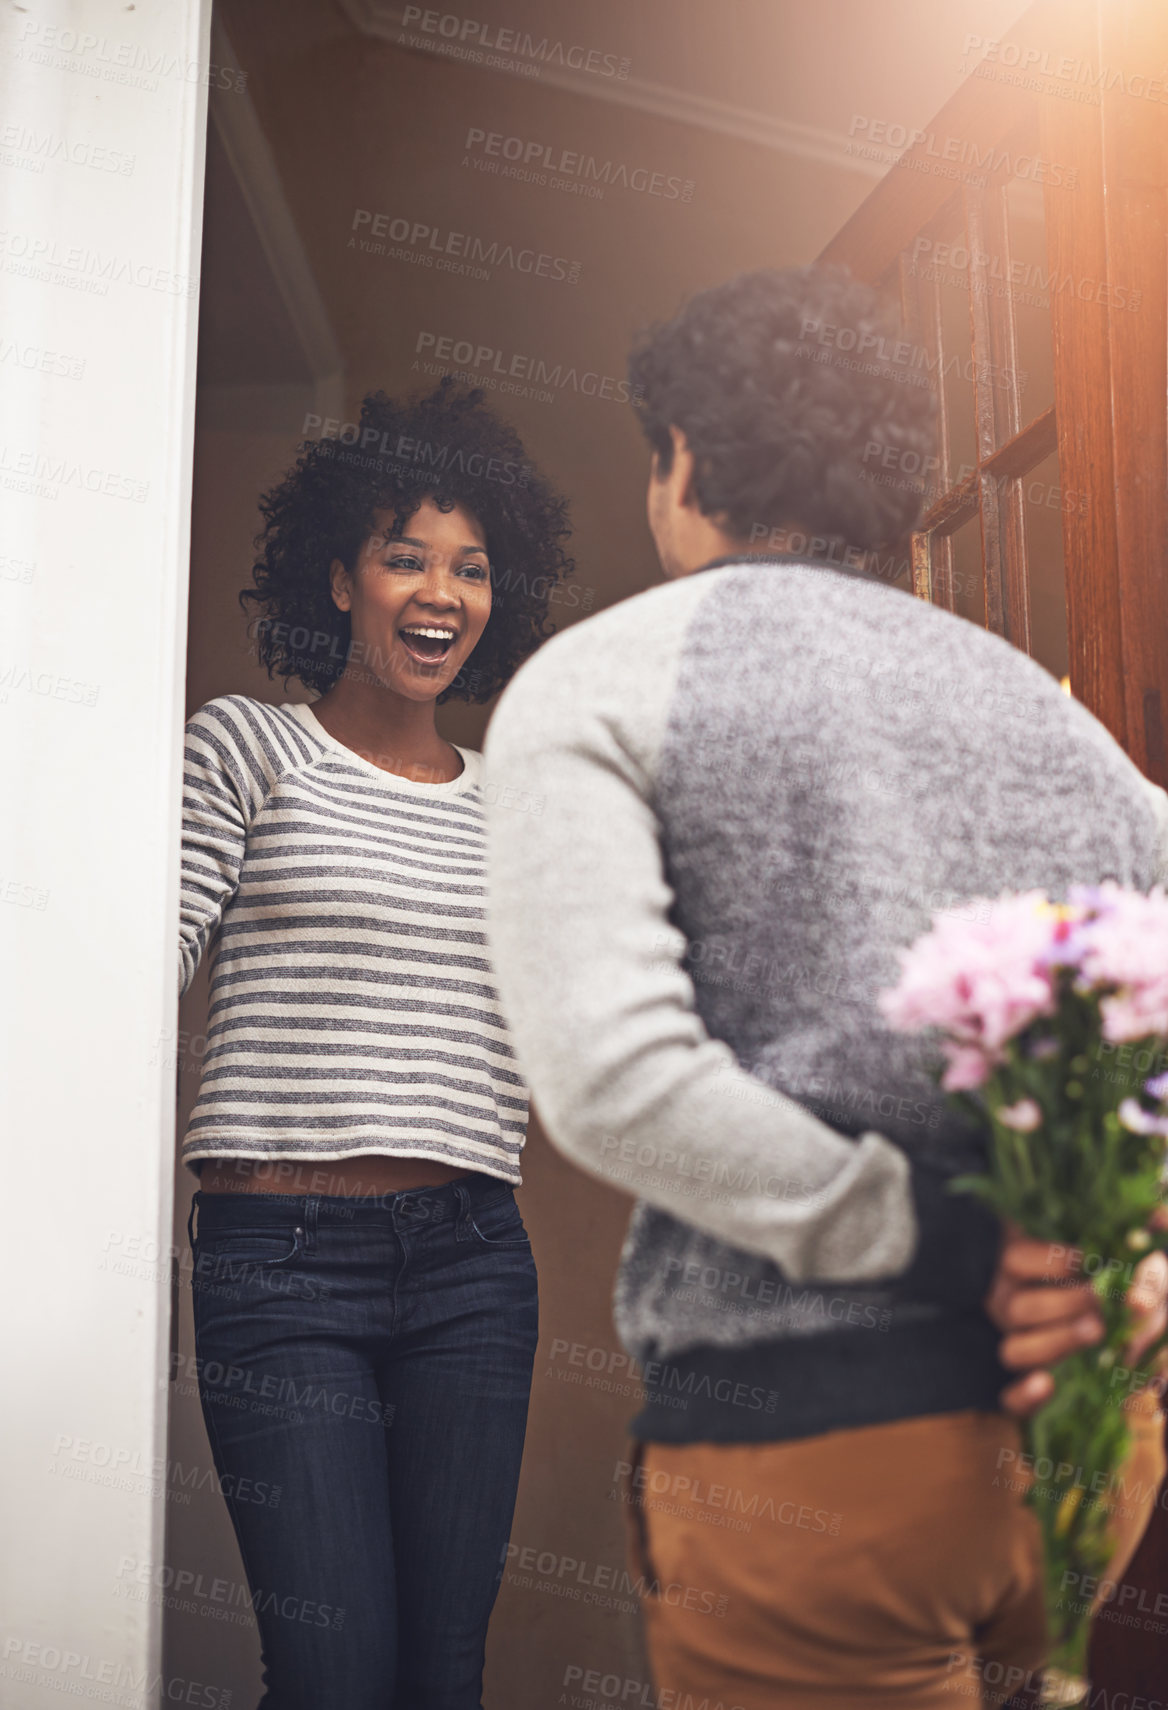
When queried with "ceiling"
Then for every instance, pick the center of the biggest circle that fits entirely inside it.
(764, 68)
(800, 83)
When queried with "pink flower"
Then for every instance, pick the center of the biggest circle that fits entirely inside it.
(1025, 1116)
(966, 1067)
(979, 980)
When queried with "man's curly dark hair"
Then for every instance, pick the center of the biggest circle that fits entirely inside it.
(789, 386)
(448, 447)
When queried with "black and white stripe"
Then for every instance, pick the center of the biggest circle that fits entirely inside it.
(352, 1006)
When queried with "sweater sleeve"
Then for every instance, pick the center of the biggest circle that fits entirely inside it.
(591, 975)
(1159, 801)
(216, 812)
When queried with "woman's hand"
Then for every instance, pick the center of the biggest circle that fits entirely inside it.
(1046, 1312)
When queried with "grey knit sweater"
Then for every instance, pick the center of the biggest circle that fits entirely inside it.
(715, 811)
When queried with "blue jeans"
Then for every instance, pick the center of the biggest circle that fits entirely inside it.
(364, 1369)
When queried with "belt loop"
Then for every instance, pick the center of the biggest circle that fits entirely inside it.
(191, 1219)
(311, 1213)
(638, 1527)
(462, 1213)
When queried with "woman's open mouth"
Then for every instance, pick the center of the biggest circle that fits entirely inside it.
(428, 644)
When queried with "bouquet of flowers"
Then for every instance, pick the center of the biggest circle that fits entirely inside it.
(1052, 1017)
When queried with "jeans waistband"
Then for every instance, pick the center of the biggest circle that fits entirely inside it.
(407, 1209)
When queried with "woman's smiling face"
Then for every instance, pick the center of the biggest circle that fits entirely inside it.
(418, 601)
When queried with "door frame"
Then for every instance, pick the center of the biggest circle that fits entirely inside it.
(99, 262)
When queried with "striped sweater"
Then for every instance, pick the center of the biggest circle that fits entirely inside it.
(352, 1008)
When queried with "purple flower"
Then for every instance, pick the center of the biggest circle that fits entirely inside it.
(1042, 1050)
(1140, 1121)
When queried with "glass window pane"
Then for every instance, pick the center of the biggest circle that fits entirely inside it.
(957, 340)
(1025, 285)
(969, 572)
(1043, 502)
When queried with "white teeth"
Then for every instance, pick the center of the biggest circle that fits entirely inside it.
(433, 634)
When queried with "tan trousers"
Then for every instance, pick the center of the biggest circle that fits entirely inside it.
(890, 1566)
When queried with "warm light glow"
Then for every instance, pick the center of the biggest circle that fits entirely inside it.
(1065, 685)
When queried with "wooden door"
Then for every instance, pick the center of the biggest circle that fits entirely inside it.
(1025, 237)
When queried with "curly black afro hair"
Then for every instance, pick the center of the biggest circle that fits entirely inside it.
(448, 447)
(790, 387)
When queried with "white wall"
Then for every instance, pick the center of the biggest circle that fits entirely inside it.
(102, 126)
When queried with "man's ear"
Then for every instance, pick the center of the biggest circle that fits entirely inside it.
(681, 475)
(341, 585)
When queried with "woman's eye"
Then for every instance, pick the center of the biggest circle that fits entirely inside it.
(405, 562)
(478, 571)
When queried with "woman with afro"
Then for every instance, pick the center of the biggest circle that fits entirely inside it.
(364, 1290)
